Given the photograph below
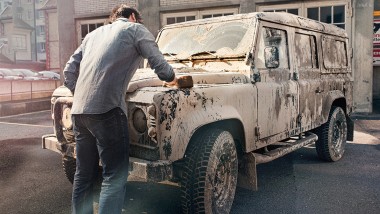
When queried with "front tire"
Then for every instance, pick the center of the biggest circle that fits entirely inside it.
(210, 175)
(332, 136)
(69, 166)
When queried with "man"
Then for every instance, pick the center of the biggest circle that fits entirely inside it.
(98, 74)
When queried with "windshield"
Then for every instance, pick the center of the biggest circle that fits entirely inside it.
(225, 39)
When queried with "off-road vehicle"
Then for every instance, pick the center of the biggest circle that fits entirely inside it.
(265, 84)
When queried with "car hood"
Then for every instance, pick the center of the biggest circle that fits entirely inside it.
(201, 77)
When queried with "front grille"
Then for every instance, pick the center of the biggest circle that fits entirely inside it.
(141, 144)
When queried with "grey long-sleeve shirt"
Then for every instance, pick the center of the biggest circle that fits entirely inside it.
(99, 71)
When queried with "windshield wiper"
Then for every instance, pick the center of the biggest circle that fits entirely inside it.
(172, 55)
(212, 53)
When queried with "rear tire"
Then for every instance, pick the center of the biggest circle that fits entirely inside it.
(69, 166)
(332, 136)
(210, 174)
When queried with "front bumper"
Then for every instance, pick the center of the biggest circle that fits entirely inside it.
(139, 169)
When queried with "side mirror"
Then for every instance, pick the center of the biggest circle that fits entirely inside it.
(272, 59)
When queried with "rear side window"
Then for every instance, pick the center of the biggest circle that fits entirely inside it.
(305, 48)
(334, 53)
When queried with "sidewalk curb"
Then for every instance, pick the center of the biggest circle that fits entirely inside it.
(25, 106)
(365, 116)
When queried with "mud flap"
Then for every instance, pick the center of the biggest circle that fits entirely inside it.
(350, 129)
(247, 177)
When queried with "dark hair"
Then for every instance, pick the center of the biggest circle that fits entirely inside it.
(124, 11)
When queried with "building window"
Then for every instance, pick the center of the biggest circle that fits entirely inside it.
(328, 14)
(305, 49)
(42, 46)
(84, 27)
(17, 2)
(216, 15)
(171, 18)
(287, 10)
(41, 30)
(331, 12)
(30, 15)
(19, 42)
(88, 28)
(2, 29)
(41, 14)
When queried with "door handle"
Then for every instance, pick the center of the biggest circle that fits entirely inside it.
(290, 95)
(318, 91)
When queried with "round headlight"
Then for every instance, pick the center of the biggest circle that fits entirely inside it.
(66, 118)
(52, 100)
(139, 120)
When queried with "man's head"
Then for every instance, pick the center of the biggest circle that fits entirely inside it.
(125, 11)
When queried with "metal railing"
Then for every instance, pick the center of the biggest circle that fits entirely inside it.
(17, 90)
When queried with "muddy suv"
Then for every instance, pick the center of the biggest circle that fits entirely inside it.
(265, 84)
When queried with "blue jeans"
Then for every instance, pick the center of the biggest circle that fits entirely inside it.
(103, 136)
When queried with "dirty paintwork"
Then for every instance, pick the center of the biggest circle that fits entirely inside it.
(263, 77)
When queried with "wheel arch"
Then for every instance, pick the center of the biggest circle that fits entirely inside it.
(337, 98)
(233, 126)
(334, 98)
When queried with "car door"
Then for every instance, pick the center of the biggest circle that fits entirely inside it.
(277, 91)
(311, 87)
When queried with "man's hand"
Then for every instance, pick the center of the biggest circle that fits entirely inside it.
(172, 84)
(180, 82)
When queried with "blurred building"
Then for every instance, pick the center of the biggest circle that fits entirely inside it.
(76, 18)
(376, 53)
(49, 9)
(22, 35)
(4, 4)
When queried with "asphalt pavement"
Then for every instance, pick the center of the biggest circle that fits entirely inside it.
(32, 180)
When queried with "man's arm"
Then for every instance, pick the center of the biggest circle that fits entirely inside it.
(71, 70)
(147, 47)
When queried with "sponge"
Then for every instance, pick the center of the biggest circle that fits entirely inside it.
(185, 82)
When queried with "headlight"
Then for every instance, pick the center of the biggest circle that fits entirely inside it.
(52, 100)
(66, 118)
(139, 120)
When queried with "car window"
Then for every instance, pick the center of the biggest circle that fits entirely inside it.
(305, 49)
(334, 53)
(272, 38)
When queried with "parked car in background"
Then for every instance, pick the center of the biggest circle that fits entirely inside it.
(50, 74)
(8, 74)
(28, 74)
